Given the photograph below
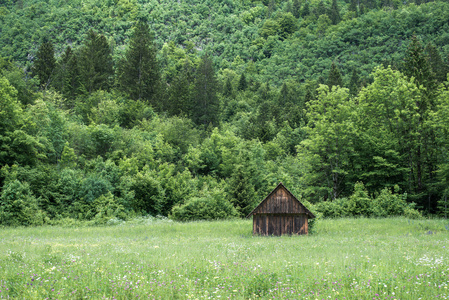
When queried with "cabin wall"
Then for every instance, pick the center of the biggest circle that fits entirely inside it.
(281, 202)
(280, 224)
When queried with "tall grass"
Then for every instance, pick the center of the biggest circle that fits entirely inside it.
(346, 259)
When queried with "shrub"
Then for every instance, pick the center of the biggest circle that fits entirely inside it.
(359, 203)
(389, 204)
(331, 209)
(212, 205)
(106, 208)
(18, 206)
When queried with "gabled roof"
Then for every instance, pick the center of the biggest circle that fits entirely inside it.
(279, 186)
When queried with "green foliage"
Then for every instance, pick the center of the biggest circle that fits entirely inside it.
(334, 13)
(205, 110)
(329, 149)
(107, 208)
(334, 76)
(138, 71)
(18, 206)
(389, 204)
(95, 63)
(148, 193)
(10, 110)
(210, 204)
(45, 64)
(359, 204)
(224, 92)
(241, 191)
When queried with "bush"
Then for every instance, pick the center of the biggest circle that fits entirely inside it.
(212, 205)
(360, 204)
(389, 204)
(18, 206)
(331, 209)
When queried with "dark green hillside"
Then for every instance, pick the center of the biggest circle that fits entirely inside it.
(197, 109)
(268, 40)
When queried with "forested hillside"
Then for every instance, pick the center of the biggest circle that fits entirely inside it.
(196, 109)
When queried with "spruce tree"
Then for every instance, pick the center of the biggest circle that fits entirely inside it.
(180, 92)
(354, 85)
(435, 62)
(334, 76)
(321, 9)
(283, 95)
(271, 7)
(138, 72)
(243, 85)
(353, 7)
(334, 13)
(206, 106)
(73, 85)
(289, 7)
(228, 90)
(241, 191)
(416, 65)
(305, 10)
(45, 64)
(296, 9)
(361, 9)
(95, 62)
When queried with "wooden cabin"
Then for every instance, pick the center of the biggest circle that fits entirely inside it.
(280, 213)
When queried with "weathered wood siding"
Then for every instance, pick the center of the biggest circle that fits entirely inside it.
(280, 213)
(281, 202)
(279, 224)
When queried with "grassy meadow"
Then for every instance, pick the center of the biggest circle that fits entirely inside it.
(147, 258)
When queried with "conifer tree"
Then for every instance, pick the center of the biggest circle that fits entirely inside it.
(265, 91)
(206, 105)
(180, 92)
(321, 9)
(62, 67)
(271, 7)
(354, 85)
(289, 7)
(361, 9)
(334, 13)
(228, 90)
(242, 191)
(296, 9)
(243, 85)
(334, 77)
(45, 64)
(138, 71)
(305, 10)
(353, 7)
(67, 77)
(73, 85)
(283, 95)
(435, 62)
(416, 65)
(95, 62)
(308, 96)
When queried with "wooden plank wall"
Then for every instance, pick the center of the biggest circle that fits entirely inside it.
(279, 224)
(281, 202)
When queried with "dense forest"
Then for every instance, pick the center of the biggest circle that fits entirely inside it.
(198, 109)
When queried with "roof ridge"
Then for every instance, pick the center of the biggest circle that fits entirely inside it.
(274, 190)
